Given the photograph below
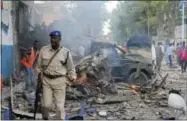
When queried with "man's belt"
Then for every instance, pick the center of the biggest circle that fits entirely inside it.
(52, 76)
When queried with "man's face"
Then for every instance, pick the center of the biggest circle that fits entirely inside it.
(55, 41)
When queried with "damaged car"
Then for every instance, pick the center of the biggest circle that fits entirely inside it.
(133, 67)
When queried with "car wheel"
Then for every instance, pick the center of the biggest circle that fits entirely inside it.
(142, 80)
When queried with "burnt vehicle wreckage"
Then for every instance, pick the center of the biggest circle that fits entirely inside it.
(105, 66)
(134, 67)
(100, 75)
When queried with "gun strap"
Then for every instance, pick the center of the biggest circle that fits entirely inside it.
(52, 58)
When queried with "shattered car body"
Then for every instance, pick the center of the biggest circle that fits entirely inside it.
(105, 65)
(93, 78)
(125, 67)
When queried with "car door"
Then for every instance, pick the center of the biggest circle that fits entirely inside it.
(118, 65)
(126, 65)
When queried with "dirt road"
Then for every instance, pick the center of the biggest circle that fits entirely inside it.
(139, 109)
(135, 108)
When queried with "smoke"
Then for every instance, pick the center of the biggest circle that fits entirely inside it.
(80, 22)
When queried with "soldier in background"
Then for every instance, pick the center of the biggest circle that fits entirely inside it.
(177, 53)
(159, 56)
(169, 53)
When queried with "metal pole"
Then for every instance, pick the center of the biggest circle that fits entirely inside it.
(148, 19)
(182, 21)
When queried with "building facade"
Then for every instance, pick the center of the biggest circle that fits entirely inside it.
(7, 48)
(178, 33)
(18, 20)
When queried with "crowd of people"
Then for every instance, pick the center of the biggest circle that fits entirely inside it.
(170, 51)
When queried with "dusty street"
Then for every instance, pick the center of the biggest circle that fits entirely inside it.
(133, 106)
(141, 109)
(100, 58)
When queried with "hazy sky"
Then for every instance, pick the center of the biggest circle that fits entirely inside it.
(110, 6)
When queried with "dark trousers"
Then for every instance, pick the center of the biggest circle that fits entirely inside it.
(170, 60)
(178, 60)
(31, 80)
(183, 65)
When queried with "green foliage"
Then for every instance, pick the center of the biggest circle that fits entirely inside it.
(143, 17)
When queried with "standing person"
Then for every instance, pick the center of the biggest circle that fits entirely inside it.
(36, 48)
(166, 56)
(27, 61)
(162, 47)
(55, 65)
(183, 57)
(169, 52)
(159, 56)
(177, 53)
(153, 53)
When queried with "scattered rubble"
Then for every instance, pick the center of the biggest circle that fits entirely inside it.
(106, 100)
(103, 113)
(93, 78)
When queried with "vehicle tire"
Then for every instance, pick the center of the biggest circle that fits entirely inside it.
(142, 80)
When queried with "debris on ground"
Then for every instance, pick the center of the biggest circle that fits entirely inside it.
(116, 100)
(103, 113)
(93, 78)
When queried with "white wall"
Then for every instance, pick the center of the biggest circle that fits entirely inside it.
(7, 57)
(178, 32)
(7, 38)
(35, 17)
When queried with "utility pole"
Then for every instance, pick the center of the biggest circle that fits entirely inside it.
(15, 19)
(183, 17)
(182, 21)
(148, 19)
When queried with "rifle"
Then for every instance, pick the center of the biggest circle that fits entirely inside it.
(37, 96)
(39, 85)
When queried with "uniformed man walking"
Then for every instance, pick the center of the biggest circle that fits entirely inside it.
(55, 66)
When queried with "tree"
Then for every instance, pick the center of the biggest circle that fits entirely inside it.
(144, 17)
